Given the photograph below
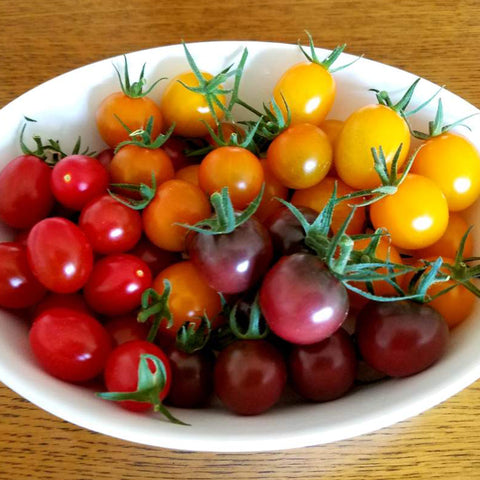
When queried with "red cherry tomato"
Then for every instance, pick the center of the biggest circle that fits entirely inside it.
(59, 255)
(69, 344)
(156, 258)
(72, 301)
(105, 157)
(175, 148)
(126, 328)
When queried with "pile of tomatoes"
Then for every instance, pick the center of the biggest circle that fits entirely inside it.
(199, 254)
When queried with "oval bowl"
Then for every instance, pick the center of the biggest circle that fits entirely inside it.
(65, 108)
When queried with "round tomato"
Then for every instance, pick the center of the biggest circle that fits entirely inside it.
(72, 301)
(233, 167)
(415, 216)
(105, 157)
(175, 202)
(155, 258)
(372, 126)
(332, 129)
(189, 174)
(175, 148)
(126, 328)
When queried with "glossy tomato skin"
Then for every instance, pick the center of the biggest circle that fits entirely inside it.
(78, 179)
(301, 300)
(326, 370)
(116, 284)
(18, 287)
(300, 156)
(105, 157)
(192, 375)
(233, 167)
(59, 255)
(401, 338)
(249, 376)
(110, 226)
(69, 344)
(72, 301)
(133, 112)
(233, 262)
(189, 174)
(26, 196)
(155, 258)
(126, 328)
(121, 371)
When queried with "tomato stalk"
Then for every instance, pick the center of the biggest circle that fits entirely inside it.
(147, 193)
(256, 329)
(192, 337)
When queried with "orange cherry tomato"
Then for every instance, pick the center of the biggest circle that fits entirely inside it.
(189, 174)
(134, 164)
(309, 91)
(188, 110)
(369, 127)
(415, 216)
(190, 297)
(273, 189)
(176, 201)
(316, 197)
(448, 244)
(332, 128)
(233, 167)
(300, 157)
(453, 163)
(133, 112)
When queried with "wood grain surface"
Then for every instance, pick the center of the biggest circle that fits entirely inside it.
(439, 40)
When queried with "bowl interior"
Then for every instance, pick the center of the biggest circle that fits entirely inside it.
(65, 108)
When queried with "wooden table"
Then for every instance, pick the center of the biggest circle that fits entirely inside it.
(439, 40)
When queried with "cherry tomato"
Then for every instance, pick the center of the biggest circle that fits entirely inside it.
(105, 157)
(121, 371)
(369, 127)
(133, 112)
(77, 179)
(134, 164)
(190, 297)
(26, 196)
(233, 262)
(72, 301)
(69, 344)
(400, 338)
(116, 284)
(449, 242)
(453, 163)
(415, 216)
(175, 202)
(332, 129)
(175, 148)
(300, 157)
(316, 197)
(309, 91)
(155, 258)
(18, 287)
(110, 226)
(192, 375)
(189, 174)
(126, 329)
(233, 167)
(249, 376)
(301, 300)
(188, 110)
(59, 255)
(326, 370)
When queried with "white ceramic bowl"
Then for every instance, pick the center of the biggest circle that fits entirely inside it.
(65, 108)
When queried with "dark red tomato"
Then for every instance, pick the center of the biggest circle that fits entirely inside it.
(249, 376)
(77, 179)
(18, 287)
(126, 328)
(325, 370)
(59, 255)
(121, 371)
(286, 231)
(156, 258)
(72, 301)
(301, 300)
(401, 338)
(116, 284)
(234, 262)
(69, 344)
(21, 237)
(105, 157)
(175, 148)
(26, 196)
(110, 226)
(192, 375)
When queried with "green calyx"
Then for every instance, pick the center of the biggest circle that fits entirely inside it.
(149, 387)
(192, 337)
(256, 329)
(225, 220)
(135, 89)
(155, 306)
(236, 139)
(437, 126)
(146, 192)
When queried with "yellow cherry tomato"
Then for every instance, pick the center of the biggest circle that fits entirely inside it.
(187, 109)
(416, 215)
(453, 163)
(369, 127)
(332, 128)
(309, 91)
(300, 157)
